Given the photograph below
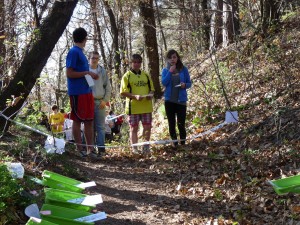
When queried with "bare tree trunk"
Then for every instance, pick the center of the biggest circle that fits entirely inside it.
(11, 60)
(123, 41)
(160, 27)
(129, 37)
(58, 91)
(115, 32)
(216, 23)
(2, 38)
(181, 21)
(227, 30)
(219, 23)
(147, 13)
(270, 14)
(236, 17)
(98, 31)
(206, 24)
(29, 71)
(231, 21)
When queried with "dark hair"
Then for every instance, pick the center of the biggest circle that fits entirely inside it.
(179, 64)
(93, 53)
(111, 112)
(79, 35)
(136, 57)
(54, 107)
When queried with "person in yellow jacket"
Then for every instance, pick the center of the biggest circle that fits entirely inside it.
(56, 120)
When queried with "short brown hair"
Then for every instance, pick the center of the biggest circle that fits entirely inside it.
(93, 53)
(54, 107)
(136, 57)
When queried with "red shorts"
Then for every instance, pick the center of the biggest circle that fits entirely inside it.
(82, 107)
(134, 119)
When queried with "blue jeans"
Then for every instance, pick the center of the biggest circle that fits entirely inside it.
(99, 121)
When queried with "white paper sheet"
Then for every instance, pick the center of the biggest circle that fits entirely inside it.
(56, 145)
(85, 185)
(231, 117)
(89, 80)
(88, 200)
(92, 218)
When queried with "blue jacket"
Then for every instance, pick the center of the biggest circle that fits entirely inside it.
(167, 83)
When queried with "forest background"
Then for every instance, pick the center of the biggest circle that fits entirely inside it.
(36, 35)
(242, 55)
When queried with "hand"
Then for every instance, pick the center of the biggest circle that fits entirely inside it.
(172, 68)
(138, 97)
(150, 96)
(93, 75)
(182, 85)
(102, 105)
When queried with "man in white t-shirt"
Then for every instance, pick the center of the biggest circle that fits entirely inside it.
(101, 93)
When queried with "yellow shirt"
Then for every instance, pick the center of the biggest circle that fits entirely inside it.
(139, 84)
(56, 121)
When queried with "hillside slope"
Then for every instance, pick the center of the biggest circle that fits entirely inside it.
(258, 77)
(220, 178)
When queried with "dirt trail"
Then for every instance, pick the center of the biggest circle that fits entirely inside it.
(135, 194)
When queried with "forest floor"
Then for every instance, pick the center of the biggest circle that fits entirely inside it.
(209, 180)
(220, 178)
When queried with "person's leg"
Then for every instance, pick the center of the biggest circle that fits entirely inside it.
(147, 124)
(181, 116)
(77, 135)
(146, 135)
(171, 112)
(133, 121)
(89, 135)
(110, 138)
(100, 127)
(133, 134)
(146, 132)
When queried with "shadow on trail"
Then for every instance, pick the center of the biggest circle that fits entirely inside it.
(114, 207)
(112, 221)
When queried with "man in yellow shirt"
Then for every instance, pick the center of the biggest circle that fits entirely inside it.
(56, 120)
(137, 87)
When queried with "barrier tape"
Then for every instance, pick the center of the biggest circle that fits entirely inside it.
(158, 142)
(115, 117)
(161, 142)
(25, 126)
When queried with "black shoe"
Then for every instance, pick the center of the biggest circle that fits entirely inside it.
(94, 155)
(82, 154)
(174, 145)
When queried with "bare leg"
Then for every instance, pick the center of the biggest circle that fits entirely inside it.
(133, 134)
(77, 134)
(146, 132)
(146, 135)
(89, 135)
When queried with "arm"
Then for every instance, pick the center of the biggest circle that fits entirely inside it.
(125, 91)
(132, 96)
(166, 77)
(107, 95)
(71, 73)
(107, 88)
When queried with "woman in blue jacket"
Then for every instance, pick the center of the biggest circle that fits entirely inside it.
(176, 79)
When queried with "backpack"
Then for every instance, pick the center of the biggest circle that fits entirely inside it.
(119, 120)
